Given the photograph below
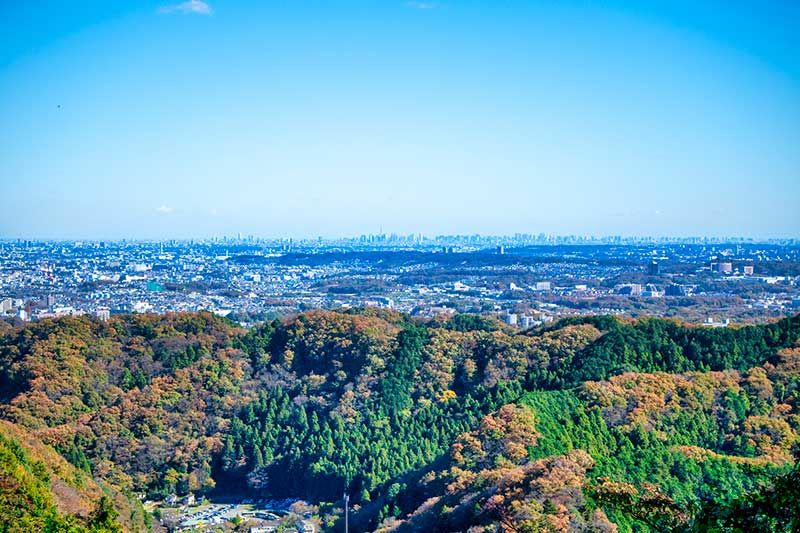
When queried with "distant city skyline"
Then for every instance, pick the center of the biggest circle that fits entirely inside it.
(390, 237)
(188, 119)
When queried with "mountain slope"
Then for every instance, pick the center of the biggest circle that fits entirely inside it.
(371, 402)
(41, 491)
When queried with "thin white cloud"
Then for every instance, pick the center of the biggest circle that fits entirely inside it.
(164, 210)
(418, 4)
(198, 7)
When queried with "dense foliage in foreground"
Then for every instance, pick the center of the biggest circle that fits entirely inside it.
(40, 491)
(596, 423)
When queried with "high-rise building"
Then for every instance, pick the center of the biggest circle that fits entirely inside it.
(654, 268)
(630, 289)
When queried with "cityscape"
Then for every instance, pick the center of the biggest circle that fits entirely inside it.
(523, 280)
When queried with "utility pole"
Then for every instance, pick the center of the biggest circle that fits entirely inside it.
(346, 517)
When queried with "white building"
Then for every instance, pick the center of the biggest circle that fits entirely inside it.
(142, 307)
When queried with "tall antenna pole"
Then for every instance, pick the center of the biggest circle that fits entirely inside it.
(346, 516)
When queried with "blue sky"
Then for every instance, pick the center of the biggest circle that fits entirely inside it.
(297, 118)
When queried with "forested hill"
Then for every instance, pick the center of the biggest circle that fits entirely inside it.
(438, 425)
(41, 491)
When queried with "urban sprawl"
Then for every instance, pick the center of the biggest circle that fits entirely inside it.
(523, 280)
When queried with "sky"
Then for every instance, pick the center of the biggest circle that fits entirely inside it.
(302, 118)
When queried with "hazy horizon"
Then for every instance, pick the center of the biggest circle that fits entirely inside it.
(721, 239)
(189, 119)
